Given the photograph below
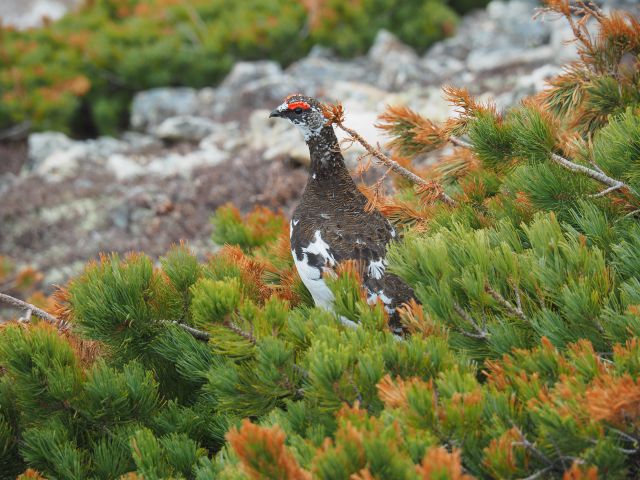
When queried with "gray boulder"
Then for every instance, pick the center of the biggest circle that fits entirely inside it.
(151, 107)
(185, 128)
(252, 85)
(42, 145)
(398, 64)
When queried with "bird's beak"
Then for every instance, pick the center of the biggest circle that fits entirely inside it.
(274, 113)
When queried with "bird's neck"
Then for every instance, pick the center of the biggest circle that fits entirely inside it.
(327, 162)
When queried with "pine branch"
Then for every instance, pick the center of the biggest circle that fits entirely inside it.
(597, 175)
(606, 191)
(480, 333)
(392, 164)
(235, 329)
(33, 310)
(62, 325)
(517, 311)
(458, 142)
(589, 172)
(537, 474)
(197, 334)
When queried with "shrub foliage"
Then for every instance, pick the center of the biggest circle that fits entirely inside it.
(78, 75)
(522, 360)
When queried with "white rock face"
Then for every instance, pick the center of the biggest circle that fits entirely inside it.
(23, 14)
(151, 107)
(42, 145)
(185, 128)
(124, 167)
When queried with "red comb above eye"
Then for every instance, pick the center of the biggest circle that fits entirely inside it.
(302, 105)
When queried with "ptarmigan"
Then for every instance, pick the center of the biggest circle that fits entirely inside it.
(330, 224)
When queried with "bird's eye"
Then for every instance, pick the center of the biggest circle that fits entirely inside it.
(298, 110)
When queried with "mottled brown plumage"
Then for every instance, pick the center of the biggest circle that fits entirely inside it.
(330, 224)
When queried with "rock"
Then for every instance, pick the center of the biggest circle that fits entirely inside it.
(185, 128)
(56, 156)
(184, 164)
(245, 72)
(320, 51)
(276, 137)
(397, 63)
(441, 69)
(42, 145)
(357, 96)
(124, 167)
(24, 14)
(318, 74)
(152, 107)
(495, 59)
(515, 25)
(61, 163)
(527, 85)
(429, 102)
(101, 148)
(387, 46)
(252, 85)
(225, 137)
(137, 141)
(561, 36)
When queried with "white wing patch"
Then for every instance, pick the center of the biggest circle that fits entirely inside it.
(376, 269)
(292, 224)
(311, 276)
(374, 296)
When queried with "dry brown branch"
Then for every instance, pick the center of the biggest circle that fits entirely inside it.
(335, 115)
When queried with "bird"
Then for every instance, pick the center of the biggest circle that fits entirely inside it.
(332, 224)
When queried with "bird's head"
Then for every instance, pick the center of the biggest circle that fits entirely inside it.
(304, 112)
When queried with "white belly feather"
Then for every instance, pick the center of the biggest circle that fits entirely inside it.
(312, 277)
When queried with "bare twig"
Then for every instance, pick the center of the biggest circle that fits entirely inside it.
(537, 474)
(62, 325)
(516, 290)
(458, 142)
(517, 311)
(589, 172)
(235, 329)
(596, 166)
(596, 174)
(606, 191)
(480, 333)
(38, 312)
(26, 318)
(532, 448)
(197, 334)
(393, 165)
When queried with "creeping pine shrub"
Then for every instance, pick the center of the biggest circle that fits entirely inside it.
(78, 75)
(520, 361)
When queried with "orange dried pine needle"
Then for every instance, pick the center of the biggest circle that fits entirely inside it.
(263, 453)
(615, 400)
(579, 472)
(333, 112)
(412, 133)
(439, 463)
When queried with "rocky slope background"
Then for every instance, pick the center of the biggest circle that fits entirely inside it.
(190, 151)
